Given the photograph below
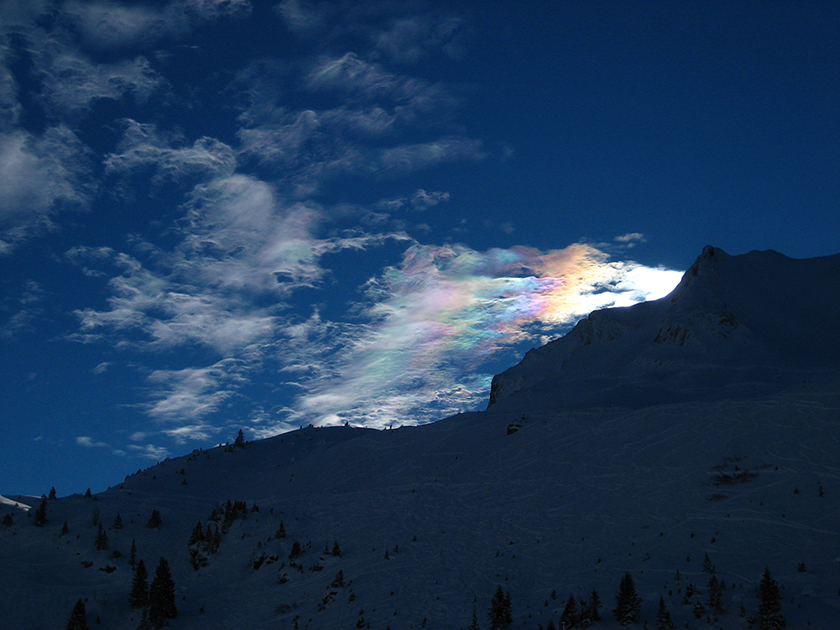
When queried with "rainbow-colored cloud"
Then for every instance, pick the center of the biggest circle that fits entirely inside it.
(439, 318)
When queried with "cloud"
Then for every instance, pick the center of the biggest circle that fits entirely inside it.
(420, 200)
(72, 82)
(248, 291)
(354, 77)
(39, 176)
(10, 107)
(630, 238)
(191, 393)
(17, 13)
(196, 432)
(116, 25)
(212, 9)
(445, 312)
(411, 39)
(412, 157)
(20, 308)
(300, 16)
(89, 442)
(418, 346)
(111, 24)
(101, 368)
(143, 146)
(149, 451)
(368, 121)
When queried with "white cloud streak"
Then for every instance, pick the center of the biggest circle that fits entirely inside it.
(89, 442)
(39, 176)
(72, 82)
(142, 145)
(116, 25)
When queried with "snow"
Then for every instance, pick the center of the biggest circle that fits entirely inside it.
(16, 503)
(631, 456)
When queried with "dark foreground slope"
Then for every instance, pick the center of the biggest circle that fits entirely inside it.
(430, 520)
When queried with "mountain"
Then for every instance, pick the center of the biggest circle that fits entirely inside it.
(672, 439)
(735, 326)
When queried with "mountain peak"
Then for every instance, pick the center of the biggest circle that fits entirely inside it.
(733, 324)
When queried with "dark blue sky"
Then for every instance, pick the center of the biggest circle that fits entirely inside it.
(218, 214)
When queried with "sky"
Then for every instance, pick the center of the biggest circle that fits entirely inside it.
(228, 214)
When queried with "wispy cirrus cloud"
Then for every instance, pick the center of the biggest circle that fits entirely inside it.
(19, 307)
(112, 24)
(420, 200)
(10, 107)
(412, 157)
(149, 451)
(72, 82)
(354, 77)
(366, 131)
(116, 25)
(40, 176)
(144, 146)
(189, 394)
(411, 39)
(241, 253)
(441, 315)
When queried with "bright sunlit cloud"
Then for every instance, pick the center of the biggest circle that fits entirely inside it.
(442, 314)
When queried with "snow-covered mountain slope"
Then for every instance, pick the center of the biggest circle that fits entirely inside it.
(545, 500)
(734, 326)
(15, 503)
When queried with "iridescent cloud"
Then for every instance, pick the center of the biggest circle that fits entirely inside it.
(441, 316)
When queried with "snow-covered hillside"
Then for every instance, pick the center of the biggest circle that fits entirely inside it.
(725, 446)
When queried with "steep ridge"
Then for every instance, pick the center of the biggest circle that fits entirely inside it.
(734, 326)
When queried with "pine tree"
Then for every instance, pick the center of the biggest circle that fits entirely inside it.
(500, 610)
(663, 617)
(770, 610)
(627, 602)
(336, 550)
(52, 493)
(239, 442)
(154, 520)
(197, 534)
(474, 623)
(595, 606)
(132, 554)
(118, 523)
(41, 514)
(139, 596)
(162, 595)
(101, 539)
(715, 601)
(296, 550)
(78, 618)
(571, 613)
(212, 538)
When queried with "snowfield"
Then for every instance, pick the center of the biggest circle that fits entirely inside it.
(704, 424)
